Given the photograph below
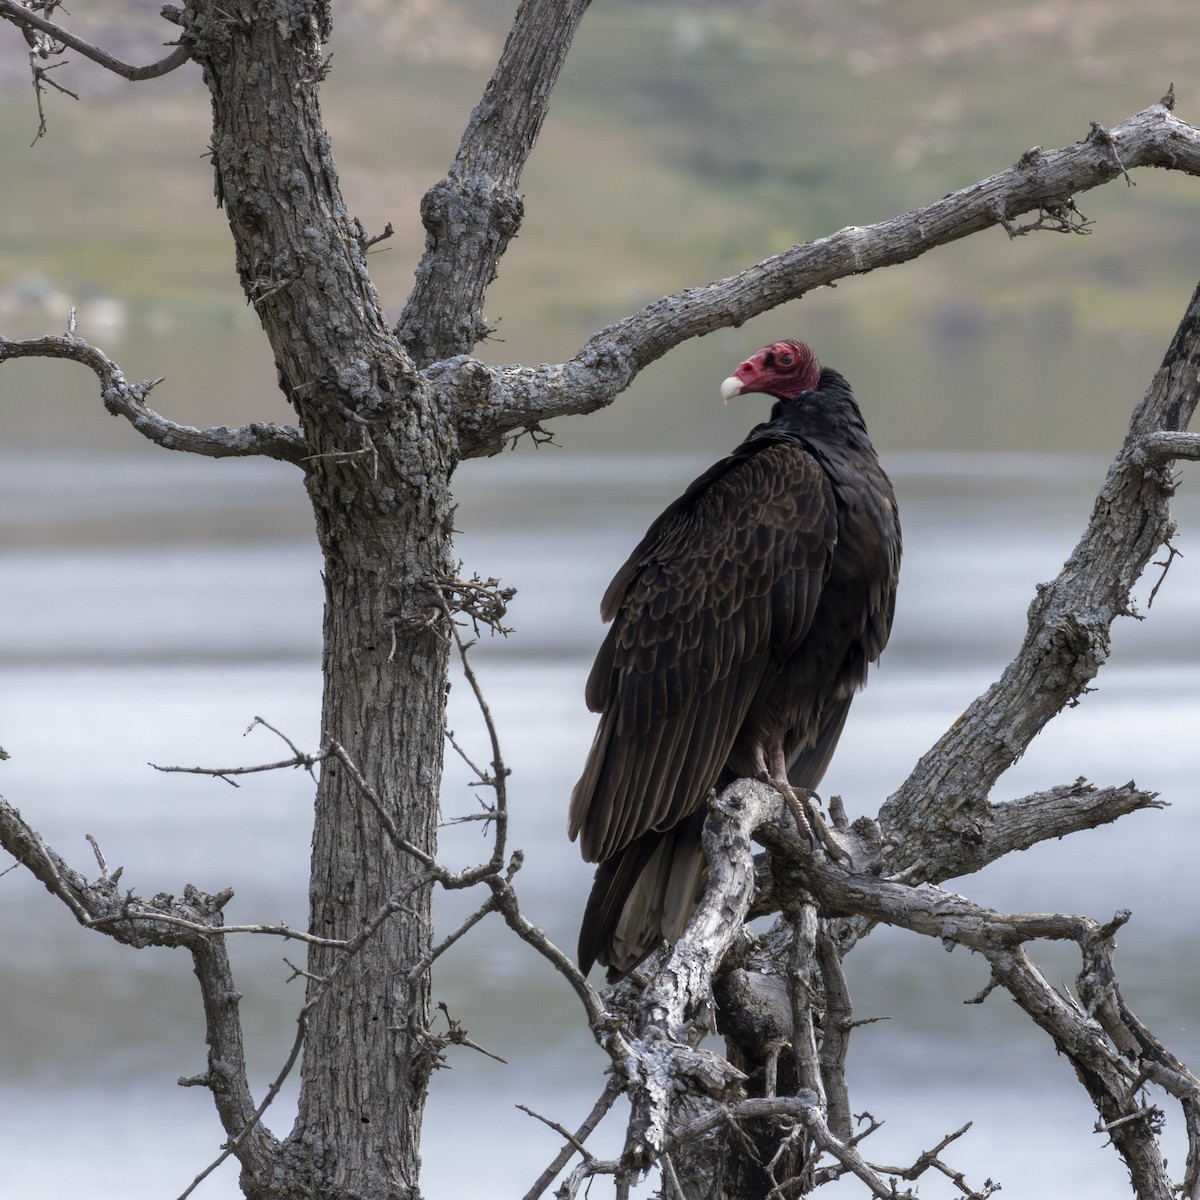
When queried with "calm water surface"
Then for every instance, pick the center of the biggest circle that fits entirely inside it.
(153, 607)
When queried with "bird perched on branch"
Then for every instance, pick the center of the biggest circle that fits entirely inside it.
(742, 625)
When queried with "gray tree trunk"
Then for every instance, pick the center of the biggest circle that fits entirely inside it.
(378, 481)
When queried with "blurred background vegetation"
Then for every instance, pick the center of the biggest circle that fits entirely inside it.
(686, 141)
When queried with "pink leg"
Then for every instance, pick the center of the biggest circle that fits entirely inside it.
(771, 762)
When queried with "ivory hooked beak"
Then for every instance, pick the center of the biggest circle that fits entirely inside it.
(731, 387)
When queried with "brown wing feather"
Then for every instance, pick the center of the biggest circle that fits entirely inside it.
(728, 576)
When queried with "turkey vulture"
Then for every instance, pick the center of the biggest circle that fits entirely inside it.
(742, 625)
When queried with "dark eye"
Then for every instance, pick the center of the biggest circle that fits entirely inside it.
(786, 359)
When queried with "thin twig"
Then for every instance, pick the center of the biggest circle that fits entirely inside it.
(224, 773)
(129, 913)
(283, 737)
(431, 956)
(612, 1089)
(1172, 555)
(574, 1142)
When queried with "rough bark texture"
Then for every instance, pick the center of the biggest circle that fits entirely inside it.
(471, 215)
(378, 480)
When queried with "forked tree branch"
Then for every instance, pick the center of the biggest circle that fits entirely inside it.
(472, 214)
(23, 18)
(1113, 1053)
(128, 400)
(195, 922)
(196, 926)
(1067, 639)
(492, 402)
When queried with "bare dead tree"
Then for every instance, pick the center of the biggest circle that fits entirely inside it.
(384, 415)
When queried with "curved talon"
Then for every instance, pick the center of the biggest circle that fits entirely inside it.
(810, 821)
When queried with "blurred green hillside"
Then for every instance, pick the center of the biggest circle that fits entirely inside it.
(685, 142)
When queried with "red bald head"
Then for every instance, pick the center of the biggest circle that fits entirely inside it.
(783, 369)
